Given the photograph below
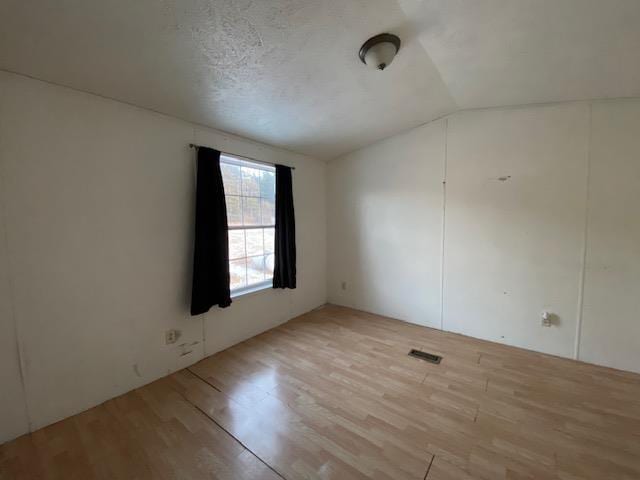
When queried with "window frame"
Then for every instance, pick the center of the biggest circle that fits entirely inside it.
(243, 162)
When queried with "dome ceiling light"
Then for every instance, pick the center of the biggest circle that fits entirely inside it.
(378, 52)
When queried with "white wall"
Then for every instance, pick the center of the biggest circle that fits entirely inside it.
(386, 225)
(13, 415)
(611, 319)
(528, 192)
(98, 199)
(514, 247)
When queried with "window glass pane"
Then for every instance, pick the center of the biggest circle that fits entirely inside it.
(268, 208)
(268, 266)
(269, 234)
(234, 211)
(268, 184)
(250, 182)
(254, 242)
(231, 178)
(251, 211)
(236, 244)
(255, 270)
(238, 273)
(250, 197)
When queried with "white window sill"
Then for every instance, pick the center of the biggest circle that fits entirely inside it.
(258, 287)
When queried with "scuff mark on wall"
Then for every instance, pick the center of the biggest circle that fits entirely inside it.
(186, 348)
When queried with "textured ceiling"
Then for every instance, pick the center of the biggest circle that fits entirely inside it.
(286, 72)
(513, 52)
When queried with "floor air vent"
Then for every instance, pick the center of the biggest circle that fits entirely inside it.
(427, 357)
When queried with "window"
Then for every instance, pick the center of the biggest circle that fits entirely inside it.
(250, 190)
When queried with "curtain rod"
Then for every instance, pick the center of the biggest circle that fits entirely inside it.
(193, 145)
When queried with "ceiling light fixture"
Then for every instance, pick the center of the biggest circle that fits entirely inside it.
(378, 52)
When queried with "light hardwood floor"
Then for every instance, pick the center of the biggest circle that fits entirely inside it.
(333, 394)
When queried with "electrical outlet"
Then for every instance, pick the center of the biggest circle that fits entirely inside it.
(171, 336)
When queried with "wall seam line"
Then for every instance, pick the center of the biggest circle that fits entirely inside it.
(16, 330)
(444, 215)
(195, 184)
(585, 238)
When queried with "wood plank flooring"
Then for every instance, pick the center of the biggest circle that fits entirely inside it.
(333, 394)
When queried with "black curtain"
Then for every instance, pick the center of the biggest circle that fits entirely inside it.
(211, 253)
(284, 272)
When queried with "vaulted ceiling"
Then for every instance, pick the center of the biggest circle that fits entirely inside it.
(286, 72)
